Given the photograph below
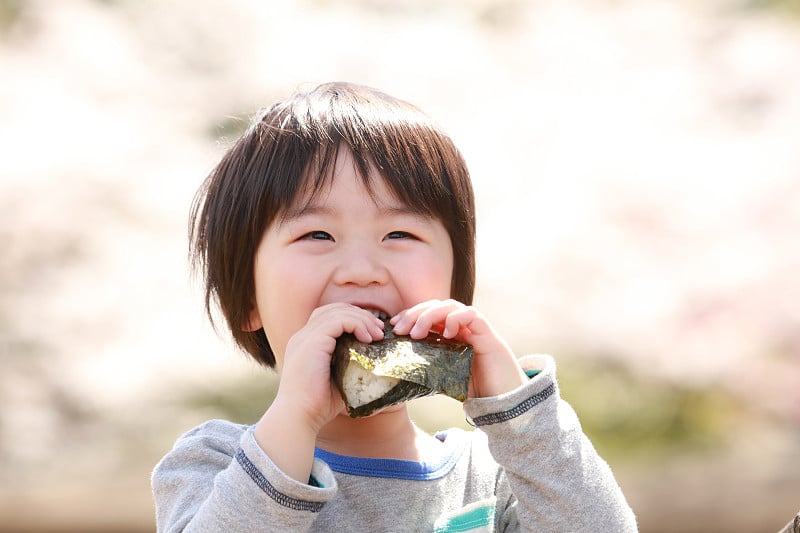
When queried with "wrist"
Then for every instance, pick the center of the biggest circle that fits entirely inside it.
(293, 450)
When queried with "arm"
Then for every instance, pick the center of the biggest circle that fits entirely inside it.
(559, 480)
(217, 479)
(214, 481)
(307, 400)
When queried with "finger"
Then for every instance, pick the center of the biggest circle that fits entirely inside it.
(434, 318)
(366, 333)
(339, 318)
(461, 323)
(363, 325)
(405, 320)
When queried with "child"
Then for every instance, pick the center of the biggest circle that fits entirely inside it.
(337, 209)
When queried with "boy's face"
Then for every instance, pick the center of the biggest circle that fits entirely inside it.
(347, 246)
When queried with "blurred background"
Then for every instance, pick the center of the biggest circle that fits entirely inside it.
(637, 169)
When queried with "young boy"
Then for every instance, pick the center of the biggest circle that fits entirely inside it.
(338, 209)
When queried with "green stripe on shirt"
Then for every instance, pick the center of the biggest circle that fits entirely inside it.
(470, 519)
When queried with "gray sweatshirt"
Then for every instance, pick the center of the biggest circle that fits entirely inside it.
(528, 467)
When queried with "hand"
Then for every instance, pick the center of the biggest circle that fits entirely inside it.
(495, 369)
(307, 400)
(305, 382)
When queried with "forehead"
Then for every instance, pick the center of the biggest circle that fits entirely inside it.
(345, 178)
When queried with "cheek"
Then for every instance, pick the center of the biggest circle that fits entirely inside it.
(445, 275)
(430, 279)
(287, 294)
(446, 267)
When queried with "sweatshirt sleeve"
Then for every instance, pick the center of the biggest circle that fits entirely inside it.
(559, 480)
(217, 479)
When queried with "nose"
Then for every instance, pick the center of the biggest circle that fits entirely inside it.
(361, 265)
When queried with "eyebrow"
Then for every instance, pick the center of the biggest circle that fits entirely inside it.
(296, 212)
(312, 209)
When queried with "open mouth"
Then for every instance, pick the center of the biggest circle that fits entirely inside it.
(379, 314)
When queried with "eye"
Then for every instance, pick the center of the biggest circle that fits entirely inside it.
(317, 236)
(399, 235)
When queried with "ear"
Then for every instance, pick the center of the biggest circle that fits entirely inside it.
(253, 322)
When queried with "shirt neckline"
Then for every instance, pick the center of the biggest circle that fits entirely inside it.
(435, 466)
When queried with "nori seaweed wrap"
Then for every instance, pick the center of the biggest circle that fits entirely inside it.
(397, 369)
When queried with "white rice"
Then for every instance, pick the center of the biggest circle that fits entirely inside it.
(363, 386)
